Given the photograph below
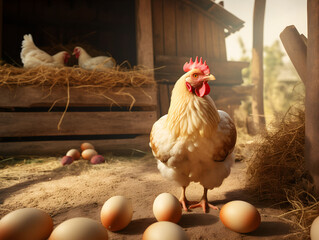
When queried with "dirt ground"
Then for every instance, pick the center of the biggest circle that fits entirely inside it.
(80, 190)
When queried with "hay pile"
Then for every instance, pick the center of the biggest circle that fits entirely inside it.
(74, 76)
(99, 81)
(276, 171)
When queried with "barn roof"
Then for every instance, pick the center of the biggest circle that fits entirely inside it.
(230, 22)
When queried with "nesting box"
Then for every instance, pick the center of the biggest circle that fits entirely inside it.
(158, 34)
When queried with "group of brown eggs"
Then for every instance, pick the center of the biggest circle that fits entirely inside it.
(88, 152)
(115, 215)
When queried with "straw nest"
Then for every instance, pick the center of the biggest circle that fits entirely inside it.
(100, 81)
(276, 171)
(75, 77)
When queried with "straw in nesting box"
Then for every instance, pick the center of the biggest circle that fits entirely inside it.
(72, 77)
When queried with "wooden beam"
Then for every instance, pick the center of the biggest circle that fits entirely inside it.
(144, 33)
(296, 49)
(1, 27)
(257, 72)
(37, 96)
(24, 124)
(59, 148)
(312, 92)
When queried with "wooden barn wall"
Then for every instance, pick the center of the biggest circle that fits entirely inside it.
(106, 26)
(181, 29)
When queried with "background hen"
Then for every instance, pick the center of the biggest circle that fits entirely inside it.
(32, 56)
(90, 63)
(194, 142)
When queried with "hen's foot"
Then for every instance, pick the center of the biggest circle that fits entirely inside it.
(204, 204)
(185, 203)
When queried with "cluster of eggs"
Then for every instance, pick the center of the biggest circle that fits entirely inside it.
(88, 152)
(115, 215)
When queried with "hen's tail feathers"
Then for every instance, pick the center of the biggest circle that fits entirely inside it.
(27, 45)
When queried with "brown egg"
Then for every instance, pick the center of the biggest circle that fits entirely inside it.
(88, 154)
(79, 229)
(166, 207)
(240, 216)
(97, 159)
(86, 145)
(26, 224)
(314, 229)
(74, 153)
(66, 160)
(164, 230)
(116, 213)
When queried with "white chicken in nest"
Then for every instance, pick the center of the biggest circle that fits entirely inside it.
(32, 56)
(194, 142)
(87, 62)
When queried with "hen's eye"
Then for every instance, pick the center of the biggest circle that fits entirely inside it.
(195, 75)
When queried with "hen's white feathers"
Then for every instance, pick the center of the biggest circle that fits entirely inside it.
(32, 56)
(194, 141)
(90, 63)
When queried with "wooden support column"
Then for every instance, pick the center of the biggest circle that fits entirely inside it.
(1, 27)
(296, 49)
(144, 33)
(257, 72)
(312, 92)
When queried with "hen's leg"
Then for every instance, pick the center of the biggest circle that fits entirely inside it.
(204, 204)
(183, 200)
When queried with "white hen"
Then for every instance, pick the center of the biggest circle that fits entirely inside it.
(90, 63)
(194, 142)
(32, 56)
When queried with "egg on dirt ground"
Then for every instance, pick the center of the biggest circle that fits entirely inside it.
(166, 207)
(26, 224)
(97, 159)
(79, 228)
(240, 216)
(116, 213)
(74, 153)
(314, 229)
(164, 230)
(87, 154)
(86, 145)
(66, 160)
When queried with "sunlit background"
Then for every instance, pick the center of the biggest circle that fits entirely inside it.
(278, 15)
(283, 88)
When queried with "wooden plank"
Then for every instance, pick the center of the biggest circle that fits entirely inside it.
(19, 124)
(158, 35)
(296, 49)
(312, 93)
(183, 29)
(215, 40)
(164, 99)
(35, 96)
(59, 148)
(257, 70)
(222, 44)
(169, 16)
(225, 72)
(144, 33)
(209, 38)
(1, 26)
(198, 33)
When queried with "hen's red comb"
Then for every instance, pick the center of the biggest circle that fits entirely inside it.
(197, 65)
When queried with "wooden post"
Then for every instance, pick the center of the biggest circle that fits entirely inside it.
(1, 27)
(257, 72)
(296, 49)
(312, 92)
(144, 33)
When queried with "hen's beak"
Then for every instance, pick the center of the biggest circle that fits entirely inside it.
(210, 77)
